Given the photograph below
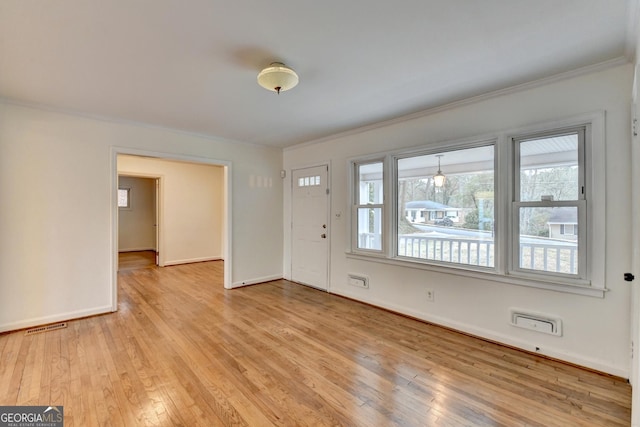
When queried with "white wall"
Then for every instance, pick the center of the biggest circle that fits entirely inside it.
(635, 232)
(596, 330)
(136, 223)
(191, 207)
(57, 187)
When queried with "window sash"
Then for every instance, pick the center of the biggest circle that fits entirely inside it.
(361, 241)
(472, 253)
(515, 254)
(375, 239)
(515, 144)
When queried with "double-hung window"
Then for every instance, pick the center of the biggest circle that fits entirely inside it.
(549, 206)
(520, 207)
(369, 206)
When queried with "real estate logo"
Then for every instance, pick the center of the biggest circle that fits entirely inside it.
(31, 416)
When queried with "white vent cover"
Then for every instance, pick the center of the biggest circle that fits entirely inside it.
(536, 322)
(359, 281)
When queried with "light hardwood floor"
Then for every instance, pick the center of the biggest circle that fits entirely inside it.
(182, 351)
(136, 259)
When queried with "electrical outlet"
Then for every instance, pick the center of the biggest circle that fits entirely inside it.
(430, 295)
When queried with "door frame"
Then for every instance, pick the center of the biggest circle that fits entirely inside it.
(159, 220)
(227, 220)
(634, 378)
(326, 164)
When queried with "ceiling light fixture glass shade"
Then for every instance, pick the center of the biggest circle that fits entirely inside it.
(277, 77)
(438, 179)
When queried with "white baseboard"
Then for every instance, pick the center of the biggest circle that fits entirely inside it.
(190, 260)
(62, 317)
(555, 353)
(256, 280)
(136, 250)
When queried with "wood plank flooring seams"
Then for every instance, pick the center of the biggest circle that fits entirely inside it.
(183, 351)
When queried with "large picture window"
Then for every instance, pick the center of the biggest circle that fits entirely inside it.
(518, 207)
(448, 219)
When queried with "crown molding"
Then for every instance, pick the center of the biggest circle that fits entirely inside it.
(133, 123)
(590, 69)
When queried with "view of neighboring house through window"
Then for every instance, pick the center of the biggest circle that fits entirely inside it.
(567, 230)
(369, 205)
(549, 203)
(452, 223)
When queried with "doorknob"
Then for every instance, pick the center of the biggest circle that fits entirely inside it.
(323, 235)
(324, 225)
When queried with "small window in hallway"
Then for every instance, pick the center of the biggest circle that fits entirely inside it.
(124, 197)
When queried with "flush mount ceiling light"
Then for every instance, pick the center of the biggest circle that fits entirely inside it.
(438, 179)
(277, 77)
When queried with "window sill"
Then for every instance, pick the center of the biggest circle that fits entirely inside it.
(485, 274)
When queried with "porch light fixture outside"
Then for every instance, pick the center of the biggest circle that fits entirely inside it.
(438, 179)
(277, 77)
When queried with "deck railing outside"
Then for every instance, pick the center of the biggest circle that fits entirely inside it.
(457, 250)
(535, 253)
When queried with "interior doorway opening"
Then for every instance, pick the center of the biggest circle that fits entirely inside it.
(138, 218)
(186, 216)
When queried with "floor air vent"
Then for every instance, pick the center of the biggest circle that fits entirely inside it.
(536, 322)
(46, 328)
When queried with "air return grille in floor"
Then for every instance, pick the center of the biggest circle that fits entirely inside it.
(46, 328)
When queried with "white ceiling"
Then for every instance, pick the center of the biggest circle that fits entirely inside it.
(192, 65)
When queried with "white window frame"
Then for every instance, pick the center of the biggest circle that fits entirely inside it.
(581, 277)
(442, 149)
(356, 205)
(593, 226)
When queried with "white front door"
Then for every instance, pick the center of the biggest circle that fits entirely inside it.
(310, 226)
